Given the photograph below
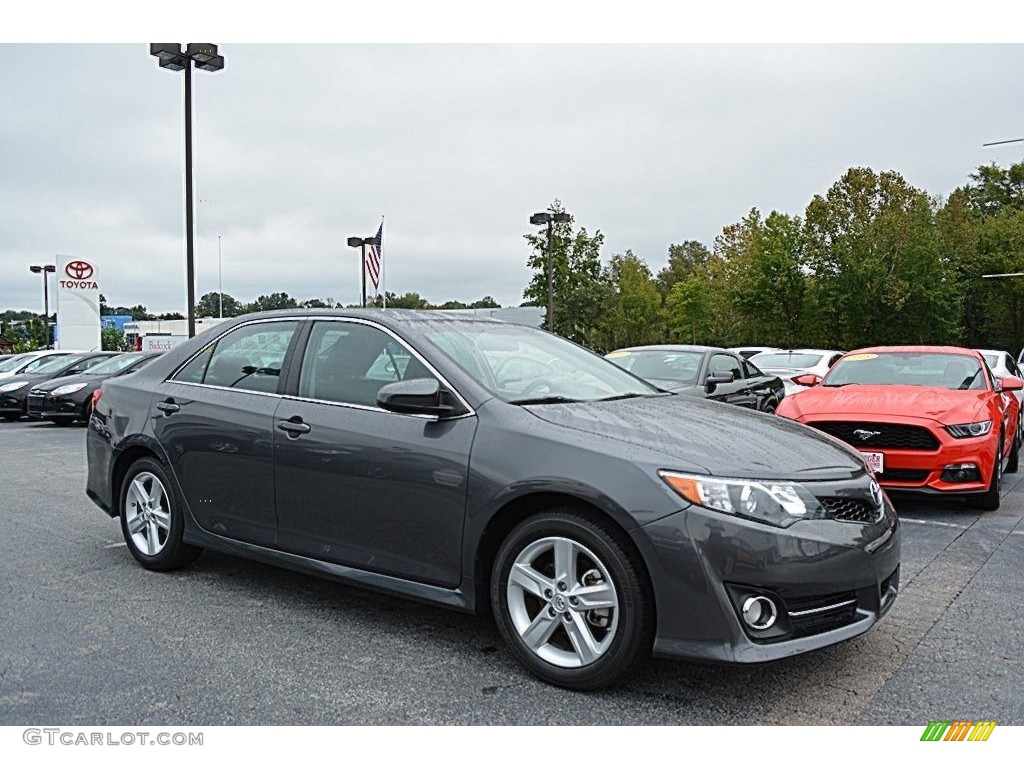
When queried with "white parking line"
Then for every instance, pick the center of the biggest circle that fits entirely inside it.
(934, 522)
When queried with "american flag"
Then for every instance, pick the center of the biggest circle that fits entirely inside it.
(374, 256)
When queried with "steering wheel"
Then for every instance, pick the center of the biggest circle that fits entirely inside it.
(535, 386)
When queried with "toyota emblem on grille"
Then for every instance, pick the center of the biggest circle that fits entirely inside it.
(864, 434)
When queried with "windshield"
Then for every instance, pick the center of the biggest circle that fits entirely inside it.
(49, 363)
(923, 369)
(114, 364)
(786, 360)
(682, 367)
(11, 363)
(523, 365)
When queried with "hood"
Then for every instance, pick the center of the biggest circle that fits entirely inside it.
(724, 440)
(947, 406)
(52, 384)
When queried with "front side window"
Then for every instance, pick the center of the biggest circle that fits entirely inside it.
(350, 362)
(249, 357)
(723, 365)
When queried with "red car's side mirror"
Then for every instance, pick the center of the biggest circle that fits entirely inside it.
(1010, 384)
(808, 380)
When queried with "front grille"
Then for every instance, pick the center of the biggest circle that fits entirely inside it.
(900, 436)
(821, 614)
(903, 476)
(850, 510)
(36, 402)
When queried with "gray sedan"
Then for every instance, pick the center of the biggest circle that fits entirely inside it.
(597, 518)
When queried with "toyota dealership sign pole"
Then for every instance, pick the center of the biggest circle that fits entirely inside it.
(78, 304)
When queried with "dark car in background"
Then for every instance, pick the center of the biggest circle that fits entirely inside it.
(598, 518)
(708, 372)
(69, 398)
(14, 390)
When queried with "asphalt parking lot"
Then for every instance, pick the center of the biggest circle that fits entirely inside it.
(91, 638)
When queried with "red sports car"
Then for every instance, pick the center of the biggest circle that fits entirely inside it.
(927, 419)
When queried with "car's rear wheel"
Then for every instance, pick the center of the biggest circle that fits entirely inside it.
(12, 416)
(571, 600)
(989, 500)
(152, 518)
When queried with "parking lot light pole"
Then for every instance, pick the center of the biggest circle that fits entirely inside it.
(171, 57)
(550, 219)
(361, 243)
(45, 270)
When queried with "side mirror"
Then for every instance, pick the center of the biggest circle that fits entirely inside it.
(807, 379)
(417, 396)
(1009, 384)
(714, 379)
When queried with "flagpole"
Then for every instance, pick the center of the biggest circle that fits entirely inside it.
(383, 269)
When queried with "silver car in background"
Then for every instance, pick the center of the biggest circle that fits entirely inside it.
(790, 363)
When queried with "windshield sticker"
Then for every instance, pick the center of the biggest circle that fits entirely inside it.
(862, 356)
(613, 355)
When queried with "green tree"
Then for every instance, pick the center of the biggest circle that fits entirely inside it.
(113, 339)
(278, 300)
(684, 259)
(209, 305)
(880, 272)
(485, 303)
(578, 289)
(632, 307)
(688, 310)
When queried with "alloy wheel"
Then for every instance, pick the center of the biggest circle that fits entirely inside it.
(147, 515)
(562, 602)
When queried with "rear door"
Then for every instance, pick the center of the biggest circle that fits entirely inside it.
(214, 419)
(361, 486)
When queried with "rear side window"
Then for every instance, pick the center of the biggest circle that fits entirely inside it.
(751, 370)
(248, 358)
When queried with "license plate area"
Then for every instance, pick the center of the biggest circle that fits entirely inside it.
(876, 461)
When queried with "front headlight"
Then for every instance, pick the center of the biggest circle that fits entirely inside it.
(778, 503)
(976, 429)
(12, 386)
(67, 389)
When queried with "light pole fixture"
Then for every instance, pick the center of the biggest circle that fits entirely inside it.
(172, 57)
(45, 269)
(361, 243)
(220, 283)
(550, 219)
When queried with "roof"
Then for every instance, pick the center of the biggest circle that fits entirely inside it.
(915, 348)
(672, 348)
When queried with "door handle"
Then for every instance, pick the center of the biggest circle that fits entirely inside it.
(168, 407)
(294, 428)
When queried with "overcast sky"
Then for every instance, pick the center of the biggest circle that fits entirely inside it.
(299, 146)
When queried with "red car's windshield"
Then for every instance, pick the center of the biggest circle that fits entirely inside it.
(923, 369)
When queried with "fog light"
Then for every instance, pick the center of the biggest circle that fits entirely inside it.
(759, 612)
(961, 473)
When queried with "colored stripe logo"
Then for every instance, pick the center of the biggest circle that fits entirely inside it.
(958, 730)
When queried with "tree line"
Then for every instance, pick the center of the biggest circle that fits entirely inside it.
(873, 260)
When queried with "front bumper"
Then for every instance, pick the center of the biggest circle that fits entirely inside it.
(43, 405)
(13, 403)
(920, 470)
(831, 580)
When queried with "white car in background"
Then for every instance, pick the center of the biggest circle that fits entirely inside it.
(748, 352)
(1002, 364)
(787, 364)
(26, 362)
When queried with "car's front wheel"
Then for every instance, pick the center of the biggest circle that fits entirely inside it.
(152, 519)
(990, 500)
(571, 600)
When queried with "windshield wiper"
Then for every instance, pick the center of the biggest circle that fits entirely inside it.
(844, 384)
(625, 396)
(545, 400)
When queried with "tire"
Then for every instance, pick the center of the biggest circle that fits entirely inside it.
(12, 416)
(153, 533)
(1013, 462)
(989, 501)
(62, 421)
(87, 410)
(572, 647)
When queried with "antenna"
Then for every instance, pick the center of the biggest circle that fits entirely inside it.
(1007, 141)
